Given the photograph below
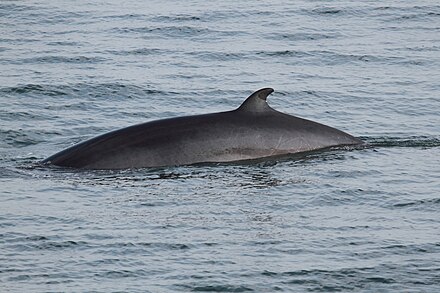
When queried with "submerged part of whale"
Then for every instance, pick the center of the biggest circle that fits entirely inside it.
(252, 131)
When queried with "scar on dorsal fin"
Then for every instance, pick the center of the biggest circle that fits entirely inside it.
(257, 101)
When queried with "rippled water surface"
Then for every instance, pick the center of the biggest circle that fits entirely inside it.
(360, 220)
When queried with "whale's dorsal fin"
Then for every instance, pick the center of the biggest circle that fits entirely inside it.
(257, 101)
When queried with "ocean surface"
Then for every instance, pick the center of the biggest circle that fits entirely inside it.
(347, 220)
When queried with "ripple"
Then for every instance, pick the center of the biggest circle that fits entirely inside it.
(80, 90)
(22, 138)
(176, 18)
(220, 56)
(116, 274)
(326, 11)
(304, 36)
(405, 142)
(169, 31)
(63, 59)
(422, 204)
(179, 32)
(286, 53)
(140, 52)
(216, 288)
(33, 88)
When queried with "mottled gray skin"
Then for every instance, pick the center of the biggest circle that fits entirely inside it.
(252, 131)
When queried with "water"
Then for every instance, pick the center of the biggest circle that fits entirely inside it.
(363, 220)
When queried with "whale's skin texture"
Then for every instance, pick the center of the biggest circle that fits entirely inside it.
(252, 131)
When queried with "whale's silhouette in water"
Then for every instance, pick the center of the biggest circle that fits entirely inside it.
(254, 130)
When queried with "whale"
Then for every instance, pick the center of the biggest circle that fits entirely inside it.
(254, 130)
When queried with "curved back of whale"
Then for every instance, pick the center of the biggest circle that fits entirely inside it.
(253, 130)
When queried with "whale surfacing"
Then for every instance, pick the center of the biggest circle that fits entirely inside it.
(253, 130)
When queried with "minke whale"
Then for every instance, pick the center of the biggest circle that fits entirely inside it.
(252, 131)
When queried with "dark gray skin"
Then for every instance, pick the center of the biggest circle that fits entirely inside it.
(252, 131)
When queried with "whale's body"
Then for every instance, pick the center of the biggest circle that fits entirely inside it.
(252, 131)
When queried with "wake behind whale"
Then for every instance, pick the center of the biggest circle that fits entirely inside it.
(252, 131)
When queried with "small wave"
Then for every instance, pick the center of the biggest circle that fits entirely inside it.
(140, 51)
(170, 31)
(39, 242)
(335, 58)
(326, 11)
(417, 16)
(423, 204)
(63, 59)
(216, 288)
(81, 90)
(49, 245)
(219, 56)
(29, 88)
(302, 36)
(22, 138)
(406, 142)
(285, 53)
(332, 57)
(126, 16)
(347, 278)
(6, 9)
(222, 15)
(423, 48)
(122, 274)
(176, 18)
(406, 14)
(63, 43)
(144, 246)
(178, 32)
(335, 11)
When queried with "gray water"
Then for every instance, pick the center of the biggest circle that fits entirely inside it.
(354, 220)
